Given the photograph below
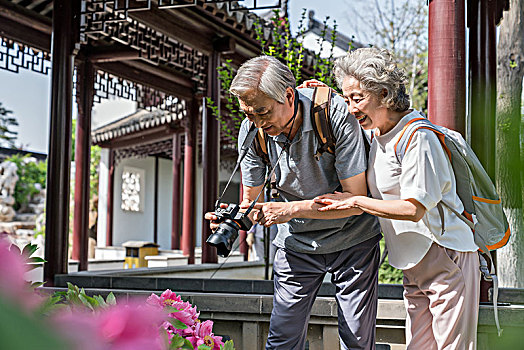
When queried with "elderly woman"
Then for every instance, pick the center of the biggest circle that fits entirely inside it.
(441, 271)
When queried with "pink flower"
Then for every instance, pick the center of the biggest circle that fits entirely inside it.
(12, 283)
(167, 298)
(120, 327)
(185, 313)
(131, 327)
(203, 335)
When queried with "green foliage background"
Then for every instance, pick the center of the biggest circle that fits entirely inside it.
(30, 174)
(386, 272)
(6, 123)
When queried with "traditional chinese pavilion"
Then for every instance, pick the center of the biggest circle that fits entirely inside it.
(164, 55)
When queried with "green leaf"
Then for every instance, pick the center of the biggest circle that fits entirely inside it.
(177, 341)
(170, 309)
(177, 324)
(29, 249)
(228, 345)
(111, 300)
(36, 260)
(187, 345)
(37, 284)
(86, 302)
(100, 300)
(204, 347)
(72, 287)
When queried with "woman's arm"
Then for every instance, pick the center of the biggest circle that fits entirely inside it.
(398, 209)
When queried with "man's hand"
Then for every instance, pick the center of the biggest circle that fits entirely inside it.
(213, 224)
(336, 201)
(311, 83)
(271, 213)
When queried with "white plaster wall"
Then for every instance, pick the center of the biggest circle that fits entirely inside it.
(165, 193)
(103, 174)
(139, 226)
(134, 225)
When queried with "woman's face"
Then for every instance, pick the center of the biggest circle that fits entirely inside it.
(364, 105)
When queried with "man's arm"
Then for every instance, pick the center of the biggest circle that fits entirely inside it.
(280, 212)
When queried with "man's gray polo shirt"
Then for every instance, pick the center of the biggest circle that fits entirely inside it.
(300, 176)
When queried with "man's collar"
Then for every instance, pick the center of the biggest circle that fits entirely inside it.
(304, 96)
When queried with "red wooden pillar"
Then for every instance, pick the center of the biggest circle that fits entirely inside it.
(110, 196)
(175, 214)
(447, 64)
(59, 154)
(188, 218)
(84, 97)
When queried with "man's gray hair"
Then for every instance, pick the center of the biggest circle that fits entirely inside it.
(266, 74)
(376, 71)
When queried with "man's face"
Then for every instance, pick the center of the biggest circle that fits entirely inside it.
(267, 113)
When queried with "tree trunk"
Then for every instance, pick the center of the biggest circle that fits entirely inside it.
(510, 70)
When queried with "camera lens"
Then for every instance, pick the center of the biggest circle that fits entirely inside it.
(224, 237)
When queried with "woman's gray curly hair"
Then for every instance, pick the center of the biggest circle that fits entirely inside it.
(376, 71)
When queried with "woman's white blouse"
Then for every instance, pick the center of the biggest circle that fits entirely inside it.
(425, 175)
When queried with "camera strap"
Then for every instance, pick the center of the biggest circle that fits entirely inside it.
(284, 149)
(242, 154)
(245, 148)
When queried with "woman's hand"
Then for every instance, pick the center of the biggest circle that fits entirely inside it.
(311, 84)
(336, 201)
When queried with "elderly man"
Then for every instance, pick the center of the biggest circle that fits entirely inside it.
(344, 244)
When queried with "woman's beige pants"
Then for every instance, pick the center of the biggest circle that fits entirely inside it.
(441, 294)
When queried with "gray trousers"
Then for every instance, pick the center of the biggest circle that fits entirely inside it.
(297, 279)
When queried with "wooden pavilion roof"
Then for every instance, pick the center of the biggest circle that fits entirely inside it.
(169, 45)
(157, 57)
(135, 122)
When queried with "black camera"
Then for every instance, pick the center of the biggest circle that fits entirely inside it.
(231, 221)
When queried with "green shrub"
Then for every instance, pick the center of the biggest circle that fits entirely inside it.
(29, 174)
(387, 273)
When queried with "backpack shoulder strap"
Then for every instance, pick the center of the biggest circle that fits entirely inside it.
(406, 135)
(320, 110)
(261, 146)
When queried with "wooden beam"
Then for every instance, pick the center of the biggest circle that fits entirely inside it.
(34, 4)
(25, 35)
(21, 15)
(185, 29)
(163, 80)
(160, 133)
(112, 54)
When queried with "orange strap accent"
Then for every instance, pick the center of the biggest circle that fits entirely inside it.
(498, 245)
(485, 200)
(440, 136)
(404, 130)
(502, 242)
